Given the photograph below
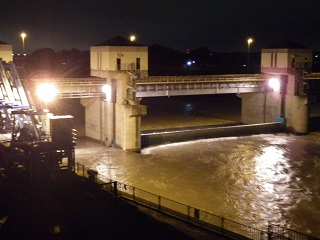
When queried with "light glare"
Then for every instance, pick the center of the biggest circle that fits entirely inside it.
(107, 90)
(132, 38)
(47, 92)
(274, 83)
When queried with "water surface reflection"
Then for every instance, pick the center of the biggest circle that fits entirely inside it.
(252, 180)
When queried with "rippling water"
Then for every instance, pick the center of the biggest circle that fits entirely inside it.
(252, 180)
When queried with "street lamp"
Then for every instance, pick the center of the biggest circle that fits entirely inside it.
(23, 36)
(132, 38)
(250, 40)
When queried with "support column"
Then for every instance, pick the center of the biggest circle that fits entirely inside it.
(92, 117)
(260, 107)
(128, 116)
(297, 114)
(128, 128)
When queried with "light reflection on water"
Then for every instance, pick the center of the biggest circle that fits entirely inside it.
(252, 180)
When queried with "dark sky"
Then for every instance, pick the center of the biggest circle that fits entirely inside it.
(220, 25)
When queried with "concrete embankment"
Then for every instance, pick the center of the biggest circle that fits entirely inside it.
(156, 137)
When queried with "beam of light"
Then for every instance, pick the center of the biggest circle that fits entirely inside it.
(47, 92)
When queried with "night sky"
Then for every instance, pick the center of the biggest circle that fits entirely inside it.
(220, 25)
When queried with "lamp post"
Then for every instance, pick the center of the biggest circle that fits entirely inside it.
(23, 36)
(132, 38)
(250, 40)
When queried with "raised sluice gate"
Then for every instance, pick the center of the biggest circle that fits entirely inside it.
(157, 137)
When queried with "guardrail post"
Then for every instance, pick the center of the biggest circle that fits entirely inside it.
(269, 231)
(196, 213)
(159, 202)
(222, 225)
(115, 188)
(134, 193)
(92, 175)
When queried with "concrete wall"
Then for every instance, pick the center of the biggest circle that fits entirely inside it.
(103, 59)
(114, 120)
(127, 129)
(273, 106)
(6, 52)
(265, 108)
(260, 107)
(297, 114)
(93, 117)
(286, 58)
(290, 63)
(252, 108)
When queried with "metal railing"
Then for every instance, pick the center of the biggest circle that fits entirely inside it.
(312, 76)
(209, 221)
(203, 78)
(280, 232)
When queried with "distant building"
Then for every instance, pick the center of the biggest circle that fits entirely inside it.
(6, 52)
(116, 55)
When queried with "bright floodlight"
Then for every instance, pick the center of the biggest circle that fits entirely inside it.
(274, 83)
(47, 92)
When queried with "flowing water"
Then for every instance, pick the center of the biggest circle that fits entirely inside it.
(252, 179)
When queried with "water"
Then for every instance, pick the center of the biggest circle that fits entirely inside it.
(251, 180)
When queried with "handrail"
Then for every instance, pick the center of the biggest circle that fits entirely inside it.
(206, 220)
(203, 78)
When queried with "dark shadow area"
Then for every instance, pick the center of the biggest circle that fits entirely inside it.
(70, 207)
(314, 124)
(73, 107)
(191, 111)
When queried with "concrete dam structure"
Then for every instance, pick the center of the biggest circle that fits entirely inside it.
(120, 67)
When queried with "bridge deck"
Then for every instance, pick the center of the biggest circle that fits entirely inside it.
(156, 86)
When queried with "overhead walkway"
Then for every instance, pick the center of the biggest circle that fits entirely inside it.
(74, 87)
(156, 86)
